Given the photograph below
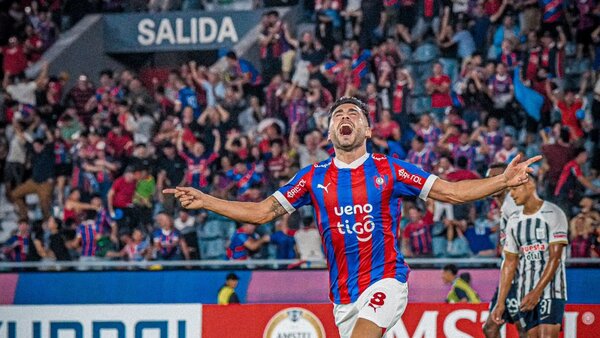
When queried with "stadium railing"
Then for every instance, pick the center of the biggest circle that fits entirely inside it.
(263, 264)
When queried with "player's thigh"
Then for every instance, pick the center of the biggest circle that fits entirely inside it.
(345, 316)
(367, 329)
(548, 330)
(551, 312)
(546, 312)
(511, 314)
(383, 303)
(534, 332)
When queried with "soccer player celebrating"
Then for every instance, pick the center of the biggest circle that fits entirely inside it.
(508, 208)
(356, 197)
(535, 240)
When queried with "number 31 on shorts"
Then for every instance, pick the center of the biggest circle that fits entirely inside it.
(377, 300)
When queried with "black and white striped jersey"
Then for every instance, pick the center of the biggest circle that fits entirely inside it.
(507, 210)
(530, 237)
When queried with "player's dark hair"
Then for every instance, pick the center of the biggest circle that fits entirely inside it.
(466, 277)
(451, 268)
(419, 139)
(350, 100)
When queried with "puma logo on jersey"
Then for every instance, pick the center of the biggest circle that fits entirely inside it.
(324, 187)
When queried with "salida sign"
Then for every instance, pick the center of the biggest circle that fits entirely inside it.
(173, 31)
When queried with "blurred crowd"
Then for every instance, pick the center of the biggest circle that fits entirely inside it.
(83, 166)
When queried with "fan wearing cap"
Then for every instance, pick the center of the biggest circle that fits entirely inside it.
(15, 61)
(353, 194)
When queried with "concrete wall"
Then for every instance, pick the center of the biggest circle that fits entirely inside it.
(80, 50)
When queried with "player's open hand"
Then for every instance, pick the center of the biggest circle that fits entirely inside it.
(498, 313)
(530, 301)
(189, 198)
(517, 172)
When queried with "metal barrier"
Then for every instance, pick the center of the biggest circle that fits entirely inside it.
(263, 264)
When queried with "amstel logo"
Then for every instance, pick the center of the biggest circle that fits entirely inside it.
(294, 322)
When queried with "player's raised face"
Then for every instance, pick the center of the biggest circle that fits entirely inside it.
(348, 127)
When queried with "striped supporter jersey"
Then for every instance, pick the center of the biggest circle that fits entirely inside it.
(530, 237)
(89, 233)
(357, 210)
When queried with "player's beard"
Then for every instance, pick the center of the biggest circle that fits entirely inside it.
(350, 142)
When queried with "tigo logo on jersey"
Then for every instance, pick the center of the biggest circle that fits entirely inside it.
(405, 176)
(296, 189)
(350, 210)
(362, 229)
(378, 157)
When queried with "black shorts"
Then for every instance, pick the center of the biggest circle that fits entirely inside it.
(548, 311)
(511, 314)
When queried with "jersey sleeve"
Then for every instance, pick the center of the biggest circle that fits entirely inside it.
(295, 193)
(410, 180)
(558, 227)
(156, 236)
(242, 238)
(510, 244)
(576, 171)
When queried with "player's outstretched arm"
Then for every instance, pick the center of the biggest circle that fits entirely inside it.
(244, 212)
(507, 274)
(516, 173)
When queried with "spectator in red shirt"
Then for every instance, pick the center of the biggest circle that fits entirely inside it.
(416, 237)
(438, 86)
(120, 196)
(34, 46)
(556, 156)
(15, 61)
(570, 106)
(386, 127)
(119, 143)
(569, 187)
(462, 173)
(80, 96)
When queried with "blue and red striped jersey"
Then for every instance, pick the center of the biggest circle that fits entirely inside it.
(103, 222)
(168, 242)
(424, 159)
(357, 210)
(18, 247)
(88, 232)
(237, 250)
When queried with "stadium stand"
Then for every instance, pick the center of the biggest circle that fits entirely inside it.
(451, 86)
